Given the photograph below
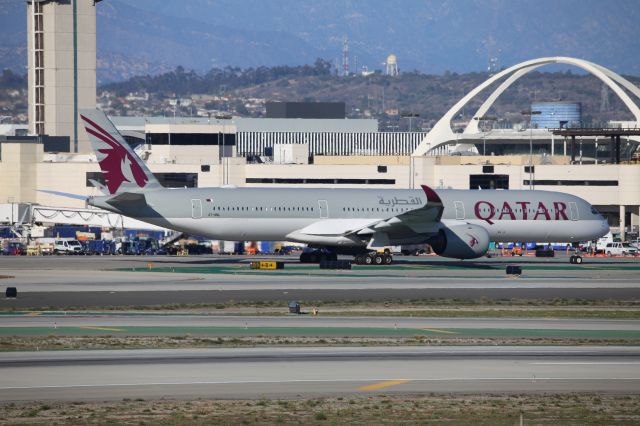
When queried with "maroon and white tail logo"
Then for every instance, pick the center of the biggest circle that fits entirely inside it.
(118, 165)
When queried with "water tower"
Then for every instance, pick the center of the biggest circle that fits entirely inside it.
(392, 65)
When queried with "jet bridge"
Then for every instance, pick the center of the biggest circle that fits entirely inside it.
(20, 217)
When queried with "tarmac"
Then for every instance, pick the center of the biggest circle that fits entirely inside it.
(86, 282)
(142, 324)
(304, 372)
(56, 283)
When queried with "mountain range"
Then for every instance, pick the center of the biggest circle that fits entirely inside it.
(137, 37)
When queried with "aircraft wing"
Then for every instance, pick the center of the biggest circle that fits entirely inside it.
(419, 221)
(423, 220)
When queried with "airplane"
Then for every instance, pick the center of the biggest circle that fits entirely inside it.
(362, 222)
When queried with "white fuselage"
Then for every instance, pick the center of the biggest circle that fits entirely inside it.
(323, 216)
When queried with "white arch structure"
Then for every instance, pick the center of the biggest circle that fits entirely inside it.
(442, 132)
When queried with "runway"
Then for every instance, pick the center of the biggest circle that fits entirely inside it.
(460, 329)
(85, 282)
(303, 372)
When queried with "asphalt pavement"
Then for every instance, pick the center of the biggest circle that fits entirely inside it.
(296, 372)
(58, 282)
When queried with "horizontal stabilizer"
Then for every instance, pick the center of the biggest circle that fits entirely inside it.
(128, 199)
(64, 194)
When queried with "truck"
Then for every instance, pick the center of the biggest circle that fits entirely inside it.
(12, 248)
(602, 242)
(620, 249)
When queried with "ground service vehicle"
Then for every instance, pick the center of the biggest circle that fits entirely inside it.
(67, 246)
(620, 249)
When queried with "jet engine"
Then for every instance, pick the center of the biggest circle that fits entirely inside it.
(461, 241)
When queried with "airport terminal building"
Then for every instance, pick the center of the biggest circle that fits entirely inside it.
(223, 156)
(302, 144)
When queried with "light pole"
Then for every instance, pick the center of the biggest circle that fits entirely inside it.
(531, 113)
(410, 115)
(223, 117)
(484, 118)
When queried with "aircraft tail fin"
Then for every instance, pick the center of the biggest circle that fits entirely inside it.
(122, 169)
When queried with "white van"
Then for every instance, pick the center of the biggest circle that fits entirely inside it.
(67, 246)
(620, 249)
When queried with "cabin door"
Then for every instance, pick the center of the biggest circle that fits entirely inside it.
(324, 209)
(573, 210)
(196, 209)
(459, 205)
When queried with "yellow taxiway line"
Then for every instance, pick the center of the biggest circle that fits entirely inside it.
(382, 385)
(435, 330)
(88, 327)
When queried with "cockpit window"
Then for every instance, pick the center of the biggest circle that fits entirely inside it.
(595, 211)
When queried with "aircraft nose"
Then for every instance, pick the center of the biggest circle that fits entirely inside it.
(605, 226)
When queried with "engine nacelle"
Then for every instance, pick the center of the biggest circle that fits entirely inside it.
(461, 242)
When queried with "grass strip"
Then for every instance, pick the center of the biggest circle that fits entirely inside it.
(362, 409)
(95, 342)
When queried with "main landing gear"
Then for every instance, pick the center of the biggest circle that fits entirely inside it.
(374, 258)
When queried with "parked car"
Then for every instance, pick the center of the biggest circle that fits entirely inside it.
(620, 249)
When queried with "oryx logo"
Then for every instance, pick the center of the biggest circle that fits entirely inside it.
(117, 164)
(473, 241)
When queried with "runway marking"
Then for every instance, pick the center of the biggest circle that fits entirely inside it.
(436, 330)
(585, 363)
(88, 327)
(382, 385)
(255, 382)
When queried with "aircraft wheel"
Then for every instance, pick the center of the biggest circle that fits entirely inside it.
(359, 259)
(572, 259)
(577, 260)
(388, 259)
(368, 260)
(378, 259)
